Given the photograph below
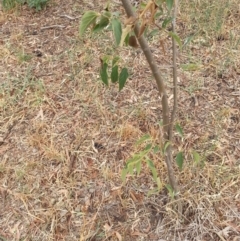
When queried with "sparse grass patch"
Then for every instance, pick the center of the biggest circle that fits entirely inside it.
(214, 29)
(37, 4)
(23, 57)
(9, 4)
(212, 18)
(17, 89)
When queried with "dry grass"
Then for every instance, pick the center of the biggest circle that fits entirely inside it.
(64, 138)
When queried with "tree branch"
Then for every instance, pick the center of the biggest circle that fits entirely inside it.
(175, 90)
(162, 92)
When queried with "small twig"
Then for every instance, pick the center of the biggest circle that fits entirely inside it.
(175, 92)
(52, 26)
(175, 98)
(67, 16)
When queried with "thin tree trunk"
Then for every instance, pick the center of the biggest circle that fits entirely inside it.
(162, 92)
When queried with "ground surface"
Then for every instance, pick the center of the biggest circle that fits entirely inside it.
(64, 137)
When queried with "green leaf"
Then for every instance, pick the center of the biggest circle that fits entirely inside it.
(126, 41)
(159, 183)
(188, 40)
(153, 169)
(190, 67)
(143, 139)
(158, 14)
(166, 146)
(103, 22)
(153, 33)
(179, 130)
(169, 4)
(114, 74)
(134, 159)
(176, 38)
(130, 168)
(123, 78)
(179, 160)
(154, 173)
(137, 157)
(170, 190)
(117, 30)
(103, 73)
(124, 174)
(138, 167)
(156, 149)
(107, 14)
(150, 164)
(153, 191)
(166, 22)
(148, 147)
(87, 19)
(106, 58)
(196, 157)
(115, 60)
(125, 33)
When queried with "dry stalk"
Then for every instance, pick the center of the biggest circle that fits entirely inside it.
(162, 92)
